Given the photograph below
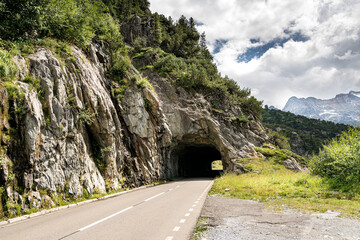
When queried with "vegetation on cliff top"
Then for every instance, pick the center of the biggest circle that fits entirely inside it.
(183, 52)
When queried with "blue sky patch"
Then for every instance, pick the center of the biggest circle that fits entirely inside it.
(257, 52)
(219, 44)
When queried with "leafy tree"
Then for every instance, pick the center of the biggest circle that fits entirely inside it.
(80, 22)
(20, 18)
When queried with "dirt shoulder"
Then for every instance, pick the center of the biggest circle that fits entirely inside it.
(239, 219)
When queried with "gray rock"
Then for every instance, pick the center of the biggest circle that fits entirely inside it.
(75, 135)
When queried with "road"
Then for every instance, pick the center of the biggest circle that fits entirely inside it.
(164, 212)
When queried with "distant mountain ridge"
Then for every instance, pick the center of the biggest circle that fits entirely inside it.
(344, 108)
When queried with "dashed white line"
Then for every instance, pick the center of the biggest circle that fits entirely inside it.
(146, 200)
(194, 205)
(188, 214)
(169, 238)
(171, 189)
(176, 229)
(182, 220)
(191, 209)
(104, 219)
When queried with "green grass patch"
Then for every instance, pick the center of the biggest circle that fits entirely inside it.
(199, 229)
(279, 189)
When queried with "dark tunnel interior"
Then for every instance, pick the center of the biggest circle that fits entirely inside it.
(195, 160)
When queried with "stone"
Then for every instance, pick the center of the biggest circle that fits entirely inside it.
(77, 134)
(293, 165)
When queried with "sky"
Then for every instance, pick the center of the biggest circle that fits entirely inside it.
(277, 48)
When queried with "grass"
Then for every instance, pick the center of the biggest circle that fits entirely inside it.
(199, 229)
(280, 189)
(217, 165)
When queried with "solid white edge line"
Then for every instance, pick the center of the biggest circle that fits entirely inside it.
(104, 219)
(157, 195)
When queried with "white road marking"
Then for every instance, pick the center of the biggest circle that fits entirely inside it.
(177, 186)
(182, 220)
(176, 229)
(146, 200)
(171, 189)
(197, 202)
(117, 213)
(194, 205)
(188, 214)
(191, 209)
(169, 238)
(104, 219)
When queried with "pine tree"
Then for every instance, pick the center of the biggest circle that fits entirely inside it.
(157, 30)
(203, 48)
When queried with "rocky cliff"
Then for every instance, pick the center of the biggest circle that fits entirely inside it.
(344, 108)
(65, 133)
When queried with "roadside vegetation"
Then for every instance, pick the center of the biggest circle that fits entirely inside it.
(331, 183)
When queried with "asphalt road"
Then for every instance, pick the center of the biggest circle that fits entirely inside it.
(164, 212)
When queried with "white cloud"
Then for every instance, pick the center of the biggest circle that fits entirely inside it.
(325, 65)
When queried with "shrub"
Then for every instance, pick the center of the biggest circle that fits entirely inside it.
(7, 67)
(143, 83)
(120, 68)
(340, 160)
(239, 120)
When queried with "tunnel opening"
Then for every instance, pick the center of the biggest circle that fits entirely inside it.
(195, 161)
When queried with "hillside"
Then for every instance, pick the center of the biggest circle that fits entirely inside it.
(89, 107)
(343, 108)
(305, 135)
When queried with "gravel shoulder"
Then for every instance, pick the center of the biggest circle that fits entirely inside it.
(239, 219)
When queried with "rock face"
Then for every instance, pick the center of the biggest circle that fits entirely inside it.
(74, 137)
(344, 108)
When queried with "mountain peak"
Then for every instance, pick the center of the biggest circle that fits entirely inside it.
(343, 108)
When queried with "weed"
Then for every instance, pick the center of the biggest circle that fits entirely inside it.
(86, 117)
(239, 120)
(199, 229)
(143, 83)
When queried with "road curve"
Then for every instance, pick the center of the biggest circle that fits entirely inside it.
(164, 212)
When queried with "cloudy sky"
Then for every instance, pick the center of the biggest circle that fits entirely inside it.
(280, 48)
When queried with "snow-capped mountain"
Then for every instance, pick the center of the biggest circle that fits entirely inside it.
(344, 108)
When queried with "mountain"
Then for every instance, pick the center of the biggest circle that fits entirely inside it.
(344, 108)
(88, 105)
(305, 135)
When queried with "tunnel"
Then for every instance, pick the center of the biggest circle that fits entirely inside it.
(194, 160)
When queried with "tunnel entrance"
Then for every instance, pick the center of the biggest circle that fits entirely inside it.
(195, 161)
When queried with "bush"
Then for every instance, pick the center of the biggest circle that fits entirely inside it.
(340, 160)
(20, 18)
(7, 67)
(120, 68)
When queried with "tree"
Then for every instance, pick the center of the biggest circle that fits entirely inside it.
(157, 30)
(20, 18)
(203, 48)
